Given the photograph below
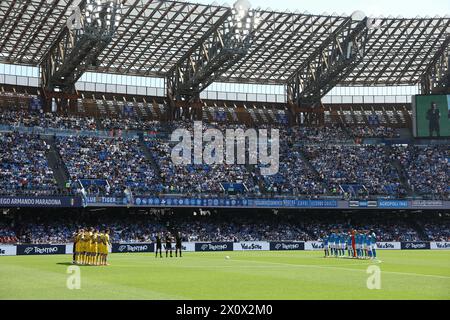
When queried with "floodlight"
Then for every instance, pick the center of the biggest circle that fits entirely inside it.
(358, 16)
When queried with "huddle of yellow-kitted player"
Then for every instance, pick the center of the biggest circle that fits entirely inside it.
(91, 247)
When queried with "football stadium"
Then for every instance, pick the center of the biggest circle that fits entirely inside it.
(176, 150)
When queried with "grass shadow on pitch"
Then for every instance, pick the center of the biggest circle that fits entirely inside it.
(72, 264)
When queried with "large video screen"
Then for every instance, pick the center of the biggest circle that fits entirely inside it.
(431, 116)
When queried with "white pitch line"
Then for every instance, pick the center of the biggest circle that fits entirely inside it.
(323, 267)
(349, 269)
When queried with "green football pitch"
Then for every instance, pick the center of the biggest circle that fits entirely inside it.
(245, 275)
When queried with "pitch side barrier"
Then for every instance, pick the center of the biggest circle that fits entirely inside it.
(50, 249)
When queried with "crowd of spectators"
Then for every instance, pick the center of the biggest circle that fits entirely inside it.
(52, 120)
(24, 167)
(436, 232)
(365, 168)
(46, 120)
(135, 124)
(427, 169)
(200, 178)
(374, 132)
(241, 226)
(294, 176)
(333, 134)
(117, 162)
(7, 233)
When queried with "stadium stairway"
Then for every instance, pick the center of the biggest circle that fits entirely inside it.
(148, 156)
(256, 180)
(55, 162)
(401, 172)
(99, 124)
(348, 132)
(309, 165)
(417, 227)
(405, 133)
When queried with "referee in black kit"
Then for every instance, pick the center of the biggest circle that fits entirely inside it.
(158, 245)
(168, 244)
(178, 243)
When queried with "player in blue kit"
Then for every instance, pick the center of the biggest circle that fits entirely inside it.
(332, 243)
(343, 241)
(362, 241)
(359, 245)
(368, 245)
(374, 245)
(325, 246)
(340, 245)
(335, 243)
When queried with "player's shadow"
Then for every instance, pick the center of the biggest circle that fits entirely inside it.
(65, 263)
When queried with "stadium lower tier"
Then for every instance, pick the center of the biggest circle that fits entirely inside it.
(134, 225)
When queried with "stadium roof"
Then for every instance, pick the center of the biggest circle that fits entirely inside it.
(154, 35)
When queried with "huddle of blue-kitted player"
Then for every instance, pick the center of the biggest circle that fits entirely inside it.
(359, 245)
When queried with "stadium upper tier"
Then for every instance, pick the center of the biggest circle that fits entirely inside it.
(313, 162)
(143, 111)
(152, 36)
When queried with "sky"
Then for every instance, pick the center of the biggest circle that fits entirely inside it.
(376, 8)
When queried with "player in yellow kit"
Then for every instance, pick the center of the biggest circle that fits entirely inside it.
(90, 248)
(83, 247)
(95, 249)
(107, 243)
(100, 240)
